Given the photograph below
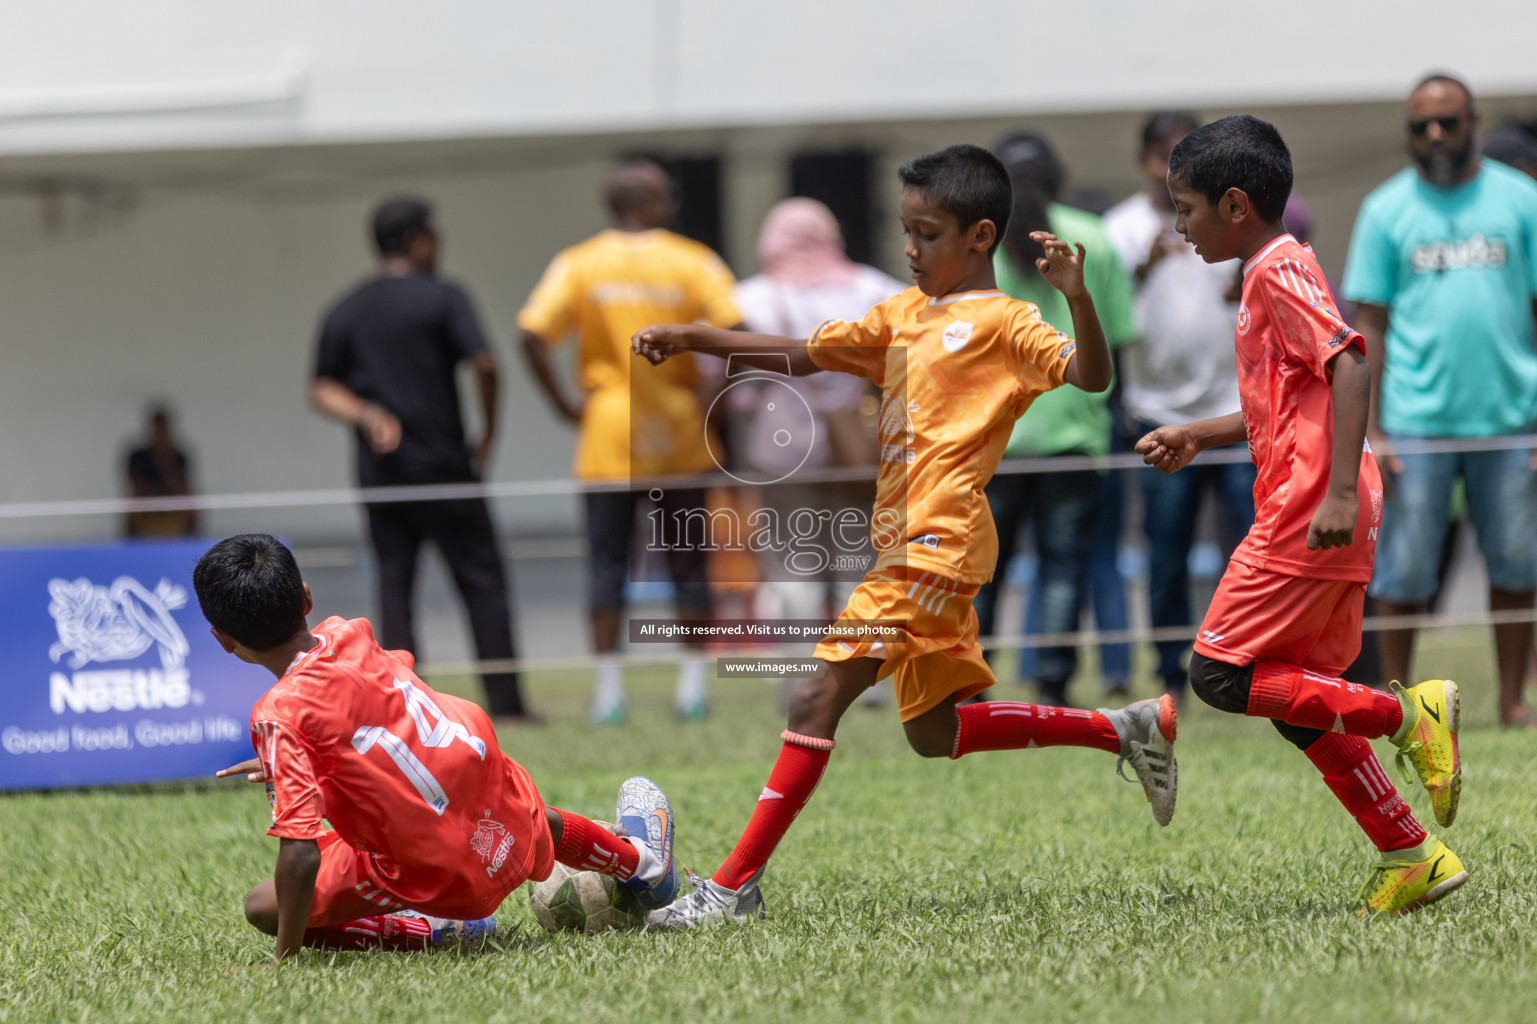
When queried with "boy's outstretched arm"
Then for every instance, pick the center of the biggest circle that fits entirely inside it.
(659, 342)
(1089, 367)
(294, 878)
(1168, 449)
(1334, 524)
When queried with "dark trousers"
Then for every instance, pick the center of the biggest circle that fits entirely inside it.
(1171, 506)
(1060, 508)
(1226, 688)
(462, 531)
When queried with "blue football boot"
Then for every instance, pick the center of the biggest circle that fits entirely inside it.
(645, 814)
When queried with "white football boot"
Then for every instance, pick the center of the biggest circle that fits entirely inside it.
(711, 904)
(1146, 730)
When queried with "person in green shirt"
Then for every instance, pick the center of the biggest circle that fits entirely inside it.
(1075, 516)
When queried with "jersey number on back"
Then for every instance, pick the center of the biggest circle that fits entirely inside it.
(442, 732)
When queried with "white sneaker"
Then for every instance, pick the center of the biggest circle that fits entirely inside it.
(1146, 730)
(711, 904)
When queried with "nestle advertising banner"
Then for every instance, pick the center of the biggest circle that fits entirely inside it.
(110, 673)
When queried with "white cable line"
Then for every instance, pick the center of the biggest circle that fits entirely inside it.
(568, 486)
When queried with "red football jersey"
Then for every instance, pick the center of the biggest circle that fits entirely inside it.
(410, 777)
(1289, 327)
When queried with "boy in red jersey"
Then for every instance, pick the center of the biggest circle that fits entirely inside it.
(432, 826)
(957, 361)
(1286, 618)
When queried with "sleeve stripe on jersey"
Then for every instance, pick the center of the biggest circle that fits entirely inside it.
(267, 732)
(1298, 281)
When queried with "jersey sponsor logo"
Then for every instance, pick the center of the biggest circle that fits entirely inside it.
(1476, 252)
(635, 293)
(492, 842)
(1243, 319)
(119, 622)
(1376, 523)
(956, 336)
(1340, 336)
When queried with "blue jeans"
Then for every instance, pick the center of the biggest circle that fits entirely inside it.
(1060, 508)
(1106, 589)
(1502, 503)
(1172, 503)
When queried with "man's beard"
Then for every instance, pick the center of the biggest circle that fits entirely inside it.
(1442, 166)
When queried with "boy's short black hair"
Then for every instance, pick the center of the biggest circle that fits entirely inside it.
(1239, 152)
(1165, 125)
(396, 220)
(249, 586)
(967, 182)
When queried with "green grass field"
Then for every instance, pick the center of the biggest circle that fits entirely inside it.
(1009, 886)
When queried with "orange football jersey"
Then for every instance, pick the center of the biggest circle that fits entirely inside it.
(955, 372)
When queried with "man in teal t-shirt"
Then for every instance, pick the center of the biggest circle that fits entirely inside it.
(1443, 271)
(1071, 517)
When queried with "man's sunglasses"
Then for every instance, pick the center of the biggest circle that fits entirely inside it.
(1448, 124)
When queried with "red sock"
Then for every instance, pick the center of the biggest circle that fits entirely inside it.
(1355, 775)
(796, 773)
(1010, 725)
(1299, 697)
(386, 931)
(588, 846)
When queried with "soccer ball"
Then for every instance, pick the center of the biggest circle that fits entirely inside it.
(584, 901)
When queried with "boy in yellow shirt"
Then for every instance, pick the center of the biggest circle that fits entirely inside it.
(957, 361)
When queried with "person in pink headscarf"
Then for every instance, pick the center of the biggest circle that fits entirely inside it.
(807, 279)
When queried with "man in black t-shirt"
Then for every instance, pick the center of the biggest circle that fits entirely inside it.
(386, 365)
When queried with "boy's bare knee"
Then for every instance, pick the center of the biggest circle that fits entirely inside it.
(932, 734)
(261, 908)
(930, 746)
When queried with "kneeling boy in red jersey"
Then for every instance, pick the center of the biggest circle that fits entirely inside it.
(1286, 618)
(432, 825)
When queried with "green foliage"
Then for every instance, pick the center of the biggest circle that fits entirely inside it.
(1007, 886)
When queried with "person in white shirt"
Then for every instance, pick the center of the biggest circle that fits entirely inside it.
(807, 279)
(1180, 369)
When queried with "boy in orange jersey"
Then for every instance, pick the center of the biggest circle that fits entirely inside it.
(432, 825)
(958, 361)
(1286, 618)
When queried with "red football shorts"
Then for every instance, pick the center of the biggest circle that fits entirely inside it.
(1257, 615)
(351, 884)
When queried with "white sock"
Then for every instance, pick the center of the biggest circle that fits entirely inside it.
(650, 867)
(608, 685)
(692, 688)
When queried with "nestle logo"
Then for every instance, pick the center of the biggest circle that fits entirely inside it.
(119, 689)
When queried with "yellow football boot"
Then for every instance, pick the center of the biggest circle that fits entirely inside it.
(1427, 740)
(1406, 880)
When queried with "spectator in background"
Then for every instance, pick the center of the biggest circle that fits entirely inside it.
(1181, 368)
(1067, 511)
(160, 470)
(602, 291)
(1515, 147)
(386, 365)
(1443, 271)
(808, 279)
